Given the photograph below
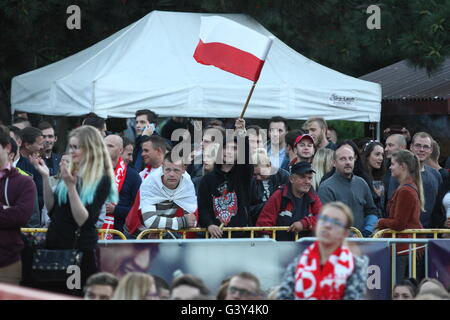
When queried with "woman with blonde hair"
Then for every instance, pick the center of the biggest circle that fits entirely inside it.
(86, 183)
(136, 286)
(327, 269)
(433, 287)
(404, 207)
(267, 179)
(322, 164)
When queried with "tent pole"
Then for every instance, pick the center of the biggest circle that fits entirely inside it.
(378, 131)
(248, 100)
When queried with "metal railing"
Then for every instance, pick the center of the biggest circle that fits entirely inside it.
(33, 230)
(101, 232)
(412, 251)
(414, 232)
(229, 230)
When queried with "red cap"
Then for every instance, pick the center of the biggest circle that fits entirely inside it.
(301, 137)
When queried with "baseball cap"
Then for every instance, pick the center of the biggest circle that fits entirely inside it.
(301, 137)
(302, 167)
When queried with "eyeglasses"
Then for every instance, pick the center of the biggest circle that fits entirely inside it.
(419, 146)
(241, 292)
(332, 221)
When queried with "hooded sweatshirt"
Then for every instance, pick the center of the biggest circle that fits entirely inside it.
(226, 196)
(20, 192)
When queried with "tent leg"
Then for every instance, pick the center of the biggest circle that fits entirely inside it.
(378, 131)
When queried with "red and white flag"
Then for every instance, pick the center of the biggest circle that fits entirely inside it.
(232, 47)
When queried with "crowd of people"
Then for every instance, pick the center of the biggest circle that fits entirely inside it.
(234, 175)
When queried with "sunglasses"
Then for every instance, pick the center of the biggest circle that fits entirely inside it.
(368, 144)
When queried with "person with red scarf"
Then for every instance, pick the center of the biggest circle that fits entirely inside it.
(127, 181)
(153, 150)
(327, 269)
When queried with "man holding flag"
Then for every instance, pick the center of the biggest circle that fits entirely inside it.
(128, 182)
(225, 194)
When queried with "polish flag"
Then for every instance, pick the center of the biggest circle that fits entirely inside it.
(232, 47)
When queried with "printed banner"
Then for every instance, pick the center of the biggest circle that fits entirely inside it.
(439, 261)
(215, 260)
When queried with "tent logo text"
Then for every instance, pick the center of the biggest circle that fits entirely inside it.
(341, 101)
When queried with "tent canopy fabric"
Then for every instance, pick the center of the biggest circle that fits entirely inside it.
(150, 65)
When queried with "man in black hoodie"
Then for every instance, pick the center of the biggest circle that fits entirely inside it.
(225, 194)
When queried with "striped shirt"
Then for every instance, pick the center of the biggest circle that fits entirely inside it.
(162, 215)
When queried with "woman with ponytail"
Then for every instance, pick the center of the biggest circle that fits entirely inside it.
(86, 183)
(404, 207)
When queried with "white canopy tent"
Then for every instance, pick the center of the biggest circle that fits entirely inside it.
(150, 64)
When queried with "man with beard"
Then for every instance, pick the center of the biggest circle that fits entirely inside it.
(51, 158)
(352, 190)
(317, 128)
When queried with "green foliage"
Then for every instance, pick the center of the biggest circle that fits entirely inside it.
(331, 32)
(347, 129)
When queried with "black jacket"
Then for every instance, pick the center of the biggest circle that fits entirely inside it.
(237, 181)
(26, 166)
(275, 181)
(53, 163)
(126, 197)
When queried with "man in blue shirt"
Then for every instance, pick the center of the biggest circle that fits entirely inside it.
(432, 217)
(276, 148)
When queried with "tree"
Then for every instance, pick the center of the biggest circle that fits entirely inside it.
(331, 32)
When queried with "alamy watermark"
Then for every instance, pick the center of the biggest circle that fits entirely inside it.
(374, 21)
(74, 20)
(222, 149)
(74, 280)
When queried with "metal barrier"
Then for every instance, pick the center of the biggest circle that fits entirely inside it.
(111, 231)
(414, 232)
(412, 241)
(100, 231)
(33, 230)
(252, 231)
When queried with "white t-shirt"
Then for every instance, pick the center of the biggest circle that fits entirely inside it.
(446, 204)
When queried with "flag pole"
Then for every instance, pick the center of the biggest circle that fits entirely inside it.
(242, 116)
(248, 100)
